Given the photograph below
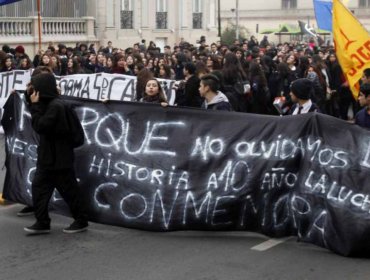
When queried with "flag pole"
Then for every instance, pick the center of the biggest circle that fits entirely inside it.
(39, 22)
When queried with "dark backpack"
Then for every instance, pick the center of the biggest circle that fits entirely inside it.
(75, 128)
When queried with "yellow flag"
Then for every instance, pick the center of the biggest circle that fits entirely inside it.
(352, 45)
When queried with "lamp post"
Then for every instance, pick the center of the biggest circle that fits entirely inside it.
(236, 10)
(219, 18)
(39, 21)
(237, 18)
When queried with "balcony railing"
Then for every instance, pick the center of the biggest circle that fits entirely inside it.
(50, 27)
(12, 27)
(14, 31)
(68, 27)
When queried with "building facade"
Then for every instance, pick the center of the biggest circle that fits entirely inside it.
(165, 22)
(125, 22)
(269, 16)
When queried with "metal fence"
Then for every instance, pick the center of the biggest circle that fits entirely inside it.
(49, 8)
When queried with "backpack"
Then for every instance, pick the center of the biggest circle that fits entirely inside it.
(75, 128)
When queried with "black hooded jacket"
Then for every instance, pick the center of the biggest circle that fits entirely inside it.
(55, 150)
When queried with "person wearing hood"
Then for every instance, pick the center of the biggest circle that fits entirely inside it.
(319, 85)
(55, 156)
(213, 98)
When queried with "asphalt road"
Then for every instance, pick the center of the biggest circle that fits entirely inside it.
(107, 252)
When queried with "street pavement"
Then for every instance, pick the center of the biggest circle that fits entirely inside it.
(108, 252)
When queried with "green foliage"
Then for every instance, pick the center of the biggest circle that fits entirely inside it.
(229, 34)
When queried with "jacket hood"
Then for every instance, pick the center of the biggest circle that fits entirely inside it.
(46, 85)
(220, 97)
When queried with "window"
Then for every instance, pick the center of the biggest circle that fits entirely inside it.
(289, 4)
(126, 5)
(197, 8)
(364, 4)
(127, 15)
(197, 14)
(161, 6)
(161, 14)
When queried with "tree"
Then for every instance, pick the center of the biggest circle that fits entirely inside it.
(228, 35)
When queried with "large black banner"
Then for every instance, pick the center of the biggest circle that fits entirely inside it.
(162, 169)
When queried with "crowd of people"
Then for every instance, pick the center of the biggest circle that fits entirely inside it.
(251, 75)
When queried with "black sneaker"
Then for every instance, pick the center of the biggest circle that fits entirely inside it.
(26, 211)
(38, 228)
(76, 226)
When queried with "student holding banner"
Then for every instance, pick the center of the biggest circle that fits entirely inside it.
(363, 116)
(214, 99)
(301, 92)
(29, 210)
(154, 93)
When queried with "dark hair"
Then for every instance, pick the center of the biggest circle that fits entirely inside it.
(256, 74)
(167, 70)
(365, 89)
(232, 70)
(29, 63)
(137, 58)
(6, 48)
(142, 77)
(201, 68)
(116, 58)
(190, 67)
(140, 66)
(212, 81)
(46, 84)
(41, 69)
(367, 72)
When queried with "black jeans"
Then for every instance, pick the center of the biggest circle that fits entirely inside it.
(64, 180)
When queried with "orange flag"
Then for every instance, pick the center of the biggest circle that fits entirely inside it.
(352, 45)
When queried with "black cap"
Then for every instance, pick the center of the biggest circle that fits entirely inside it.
(302, 88)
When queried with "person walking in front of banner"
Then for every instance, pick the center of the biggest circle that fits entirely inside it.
(301, 91)
(52, 120)
(29, 210)
(213, 98)
(154, 93)
(362, 118)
